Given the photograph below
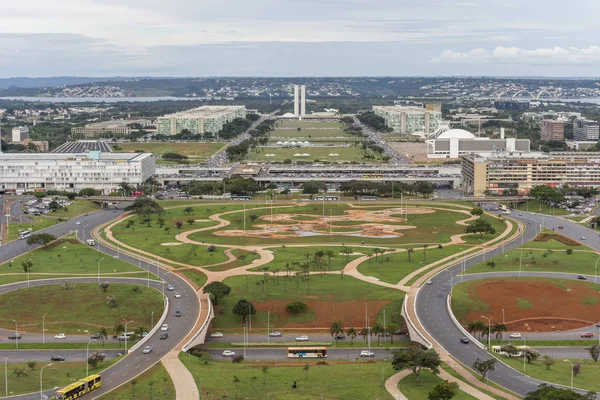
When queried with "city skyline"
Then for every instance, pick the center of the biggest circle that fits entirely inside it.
(292, 38)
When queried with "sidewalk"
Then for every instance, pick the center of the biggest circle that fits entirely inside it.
(185, 386)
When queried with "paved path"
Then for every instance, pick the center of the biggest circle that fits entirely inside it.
(183, 380)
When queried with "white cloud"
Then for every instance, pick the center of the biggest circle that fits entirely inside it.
(515, 55)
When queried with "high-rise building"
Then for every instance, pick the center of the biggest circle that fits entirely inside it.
(201, 120)
(299, 100)
(585, 130)
(552, 130)
(20, 133)
(407, 120)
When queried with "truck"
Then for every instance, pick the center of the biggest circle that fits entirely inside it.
(91, 242)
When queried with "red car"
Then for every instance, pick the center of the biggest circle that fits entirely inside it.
(560, 227)
(587, 335)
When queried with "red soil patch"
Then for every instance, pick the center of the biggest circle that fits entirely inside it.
(553, 306)
(326, 312)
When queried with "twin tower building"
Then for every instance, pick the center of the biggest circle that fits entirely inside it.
(299, 100)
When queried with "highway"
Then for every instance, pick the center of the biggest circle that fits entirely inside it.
(136, 362)
(257, 354)
(432, 310)
(43, 356)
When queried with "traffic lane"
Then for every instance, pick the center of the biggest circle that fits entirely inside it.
(38, 337)
(258, 354)
(561, 353)
(311, 337)
(17, 356)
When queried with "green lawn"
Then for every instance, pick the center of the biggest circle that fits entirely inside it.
(419, 391)
(534, 206)
(455, 374)
(194, 150)
(198, 277)
(498, 225)
(344, 154)
(391, 268)
(331, 295)
(333, 381)
(540, 260)
(58, 375)
(27, 306)
(287, 255)
(560, 373)
(154, 382)
(552, 244)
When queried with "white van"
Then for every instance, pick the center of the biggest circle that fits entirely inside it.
(124, 335)
(91, 242)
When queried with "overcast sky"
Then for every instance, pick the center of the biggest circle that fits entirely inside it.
(299, 37)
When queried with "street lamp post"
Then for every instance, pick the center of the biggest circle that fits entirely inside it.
(99, 269)
(152, 320)
(503, 320)
(569, 361)
(43, 328)
(16, 334)
(6, 375)
(87, 357)
(268, 327)
(128, 322)
(596, 270)
(489, 332)
(41, 382)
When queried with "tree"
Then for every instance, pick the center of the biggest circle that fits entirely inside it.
(409, 251)
(118, 329)
(483, 367)
(531, 354)
(510, 349)
(32, 365)
(53, 206)
(252, 217)
(392, 328)
(27, 266)
(237, 359)
(190, 221)
(377, 331)
(305, 369)
(188, 210)
(480, 226)
(265, 371)
(104, 286)
(594, 351)
(244, 308)
(236, 380)
(217, 291)
(296, 307)
(179, 224)
(498, 329)
(40, 238)
(443, 391)
(19, 372)
(546, 194)
(95, 358)
(335, 329)
(145, 207)
(491, 264)
(425, 246)
(111, 301)
(312, 187)
(346, 251)
(351, 333)
(103, 335)
(330, 254)
(477, 211)
(547, 392)
(133, 383)
(416, 359)
(548, 361)
(576, 369)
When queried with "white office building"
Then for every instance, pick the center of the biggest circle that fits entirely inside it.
(586, 130)
(201, 120)
(454, 143)
(73, 172)
(409, 119)
(20, 133)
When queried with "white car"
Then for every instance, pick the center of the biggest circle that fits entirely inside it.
(177, 295)
(164, 327)
(367, 353)
(515, 335)
(170, 287)
(147, 349)
(429, 282)
(302, 338)
(78, 223)
(60, 336)
(583, 238)
(216, 334)
(228, 353)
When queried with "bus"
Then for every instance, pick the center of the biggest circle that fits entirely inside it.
(369, 198)
(79, 388)
(241, 197)
(24, 234)
(372, 176)
(326, 198)
(520, 352)
(504, 209)
(307, 352)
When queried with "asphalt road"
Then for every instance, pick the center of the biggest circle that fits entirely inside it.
(313, 337)
(257, 354)
(42, 356)
(432, 310)
(135, 362)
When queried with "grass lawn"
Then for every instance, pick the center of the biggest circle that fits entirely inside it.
(67, 256)
(534, 206)
(92, 312)
(552, 244)
(22, 276)
(498, 225)
(58, 375)
(287, 255)
(154, 382)
(198, 277)
(333, 381)
(540, 260)
(194, 150)
(419, 391)
(455, 374)
(560, 373)
(392, 268)
(344, 154)
(329, 298)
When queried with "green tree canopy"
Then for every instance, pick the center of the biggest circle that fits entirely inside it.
(217, 291)
(244, 308)
(416, 359)
(443, 391)
(480, 226)
(547, 392)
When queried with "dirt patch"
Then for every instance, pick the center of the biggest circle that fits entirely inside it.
(326, 312)
(553, 305)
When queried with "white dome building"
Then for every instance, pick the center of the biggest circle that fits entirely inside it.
(456, 134)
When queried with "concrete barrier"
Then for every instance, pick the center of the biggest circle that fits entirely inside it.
(460, 327)
(153, 330)
(200, 336)
(414, 333)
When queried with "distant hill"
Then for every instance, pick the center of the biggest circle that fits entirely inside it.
(23, 82)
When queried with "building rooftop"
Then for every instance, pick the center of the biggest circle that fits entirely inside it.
(41, 157)
(204, 111)
(402, 108)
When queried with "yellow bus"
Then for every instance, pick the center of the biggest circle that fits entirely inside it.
(79, 388)
(307, 352)
(372, 176)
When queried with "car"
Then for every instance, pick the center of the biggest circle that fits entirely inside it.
(464, 340)
(164, 327)
(14, 336)
(340, 336)
(163, 336)
(57, 358)
(520, 214)
(275, 334)
(228, 353)
(96, 336)
(216, 335)
(170, 287)
(582, 278)
(60, 336)
(429, 282)
(78, 223)
(515, 335)
(302, 338)
(560, 227)
(177, 295)
(587, 335)
(147, 349)
(598, 324)
(144, 334)
(367, 353)
(178, 313)
(583, 238)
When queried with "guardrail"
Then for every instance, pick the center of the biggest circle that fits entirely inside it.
(153, 330)
(411, 326)
(209, 316)
(459, 326)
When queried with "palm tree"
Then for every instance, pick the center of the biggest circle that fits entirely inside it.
(103, 334)
(392, 328)
(364, 332)
(425, 246)
(236, 380)
(351, 333)
(377, 330)
(330, 254)
(409, 251)
(118, 329)
(480, 327)
(376, 250)
(306, 368)
(265, 370)
(133, 383)
(498, 329)
(335, 329)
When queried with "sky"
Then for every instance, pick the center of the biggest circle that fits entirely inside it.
(299, 38)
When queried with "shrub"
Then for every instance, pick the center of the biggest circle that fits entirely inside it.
(237, 359)
(296, 307)
(569, 251)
